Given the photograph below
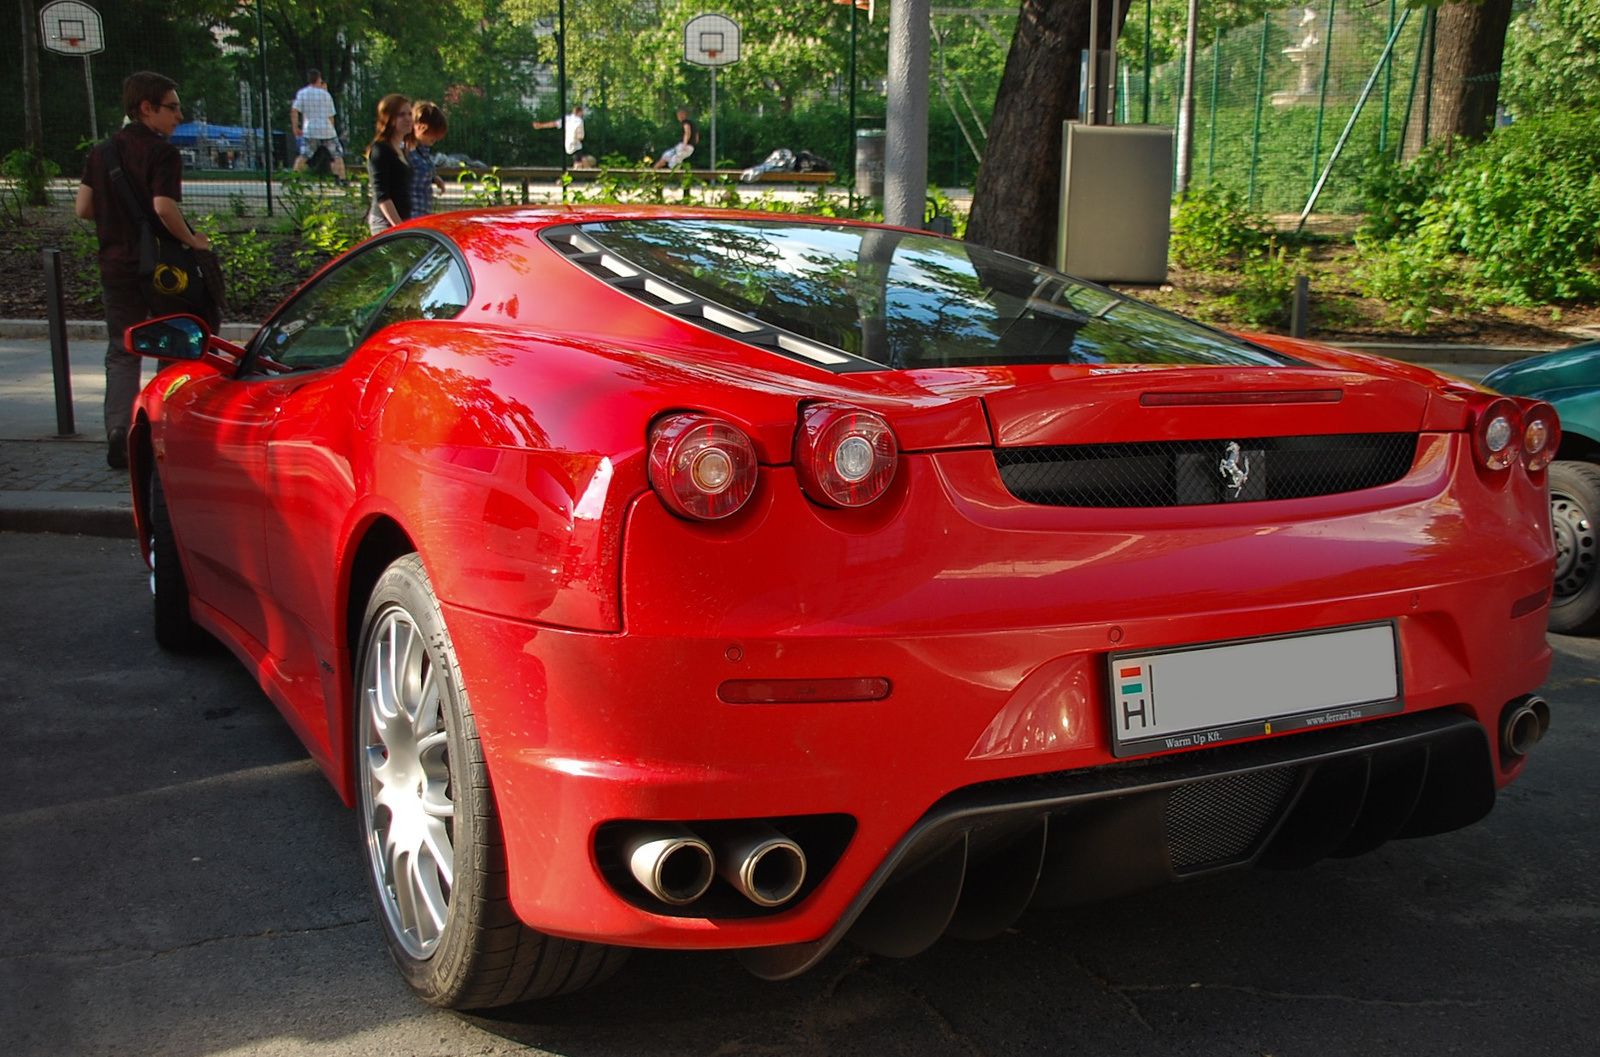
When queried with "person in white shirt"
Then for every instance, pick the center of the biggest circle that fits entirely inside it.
(573, 124)
(311, 121)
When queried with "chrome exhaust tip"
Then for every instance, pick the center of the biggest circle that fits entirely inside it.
(1522, 723)
(766, 867)
(671, 863)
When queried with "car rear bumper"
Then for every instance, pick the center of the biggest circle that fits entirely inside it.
(581, 730)
(974, 622)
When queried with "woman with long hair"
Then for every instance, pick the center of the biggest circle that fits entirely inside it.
(387, 167)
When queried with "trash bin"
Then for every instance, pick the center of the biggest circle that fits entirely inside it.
(869, 162)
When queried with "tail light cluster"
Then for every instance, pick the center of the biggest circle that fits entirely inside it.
(704, 468)
(1505, 430)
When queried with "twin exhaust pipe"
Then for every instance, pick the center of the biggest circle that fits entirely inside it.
(1522, 723)
(676, 866)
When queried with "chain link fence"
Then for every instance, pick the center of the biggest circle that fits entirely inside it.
(1304, 101)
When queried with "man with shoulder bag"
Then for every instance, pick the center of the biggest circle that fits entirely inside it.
(131, 188)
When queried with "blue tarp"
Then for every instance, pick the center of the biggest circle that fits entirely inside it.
(190, 132)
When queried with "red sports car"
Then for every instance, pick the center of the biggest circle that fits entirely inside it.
(700, 579)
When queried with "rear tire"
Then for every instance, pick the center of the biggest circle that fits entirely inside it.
(1575, 517)
(175, 628)
(435, 853)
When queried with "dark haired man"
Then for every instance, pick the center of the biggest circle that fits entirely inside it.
(679, 152)
(154, 173)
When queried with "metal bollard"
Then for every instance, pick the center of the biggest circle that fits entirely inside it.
(59, 364)
(1301, 311)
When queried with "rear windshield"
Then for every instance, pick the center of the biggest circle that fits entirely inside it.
(908, 300)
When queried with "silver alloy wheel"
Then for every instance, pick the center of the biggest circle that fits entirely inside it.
(405, 783)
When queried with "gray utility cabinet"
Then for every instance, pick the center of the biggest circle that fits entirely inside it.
(1116, 202)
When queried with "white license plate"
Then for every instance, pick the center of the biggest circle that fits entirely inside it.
(1193, 696)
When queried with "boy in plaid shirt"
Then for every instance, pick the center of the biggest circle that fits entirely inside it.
(428, 127)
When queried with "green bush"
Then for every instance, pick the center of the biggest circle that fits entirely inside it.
(30, 175)
(1393, 194)
(1213, 230)
(1412, 274)
(1514, 219)
(246, 257)
(1524, 207)
(1265, 294)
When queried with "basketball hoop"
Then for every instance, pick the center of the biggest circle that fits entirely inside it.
(71, 27)
(711, 40)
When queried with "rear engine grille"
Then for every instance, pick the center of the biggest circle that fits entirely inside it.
(1219, 821)
(1192, 472)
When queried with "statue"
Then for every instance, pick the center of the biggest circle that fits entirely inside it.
(1306, 53)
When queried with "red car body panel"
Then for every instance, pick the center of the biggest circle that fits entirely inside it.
(594, 628)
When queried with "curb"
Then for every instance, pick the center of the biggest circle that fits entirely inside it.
(1424, 353)
(67, 513)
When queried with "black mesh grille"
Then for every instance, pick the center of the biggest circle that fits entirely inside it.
(1218, 821)
(1190, 472)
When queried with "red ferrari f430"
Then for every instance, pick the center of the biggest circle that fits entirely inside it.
(718, 580)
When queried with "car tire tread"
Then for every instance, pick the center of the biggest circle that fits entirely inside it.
(175, 628)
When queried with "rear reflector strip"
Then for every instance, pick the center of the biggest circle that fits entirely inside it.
(801, 691)
(1283, 396)
(1533, 603)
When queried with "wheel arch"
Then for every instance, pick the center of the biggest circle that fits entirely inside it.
(142, 465)
(379, 542)
(1577, 447)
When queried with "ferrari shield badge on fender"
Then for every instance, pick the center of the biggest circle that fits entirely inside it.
(174, 385)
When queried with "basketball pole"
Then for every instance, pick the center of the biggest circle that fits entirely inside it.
(88, 81)
(713, 165)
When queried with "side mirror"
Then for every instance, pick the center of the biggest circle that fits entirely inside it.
(168, 338)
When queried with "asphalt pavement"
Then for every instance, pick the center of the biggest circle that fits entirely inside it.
(181, 881)
(54, 477)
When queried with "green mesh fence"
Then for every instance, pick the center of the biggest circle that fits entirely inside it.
(1273, 100)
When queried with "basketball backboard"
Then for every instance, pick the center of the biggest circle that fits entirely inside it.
(71, 27)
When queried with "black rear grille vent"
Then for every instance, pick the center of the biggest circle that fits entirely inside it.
(1215, 822)
(1188, 473)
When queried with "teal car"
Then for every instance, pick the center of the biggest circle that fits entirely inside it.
(1569, 380)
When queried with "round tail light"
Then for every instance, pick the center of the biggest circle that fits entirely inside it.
(1497, 434)
(845, 456)
(701, 467)
(1541, 435)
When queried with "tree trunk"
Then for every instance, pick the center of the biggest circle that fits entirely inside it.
(1016, 204)
(32, 121)
(1470, 42)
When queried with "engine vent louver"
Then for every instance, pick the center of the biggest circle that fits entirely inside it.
(1185, 473)
(658, 293)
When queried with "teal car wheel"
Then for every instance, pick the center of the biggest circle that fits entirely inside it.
(1574, 513)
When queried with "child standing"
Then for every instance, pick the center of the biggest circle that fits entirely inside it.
(428, 127)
